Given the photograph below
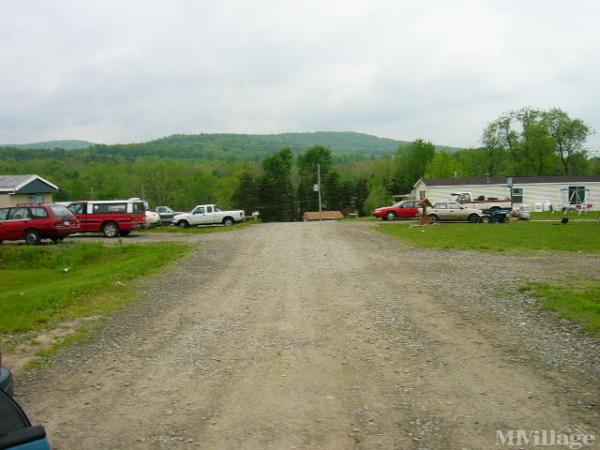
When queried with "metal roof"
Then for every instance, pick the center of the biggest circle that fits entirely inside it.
(16, 182)
(516, 180)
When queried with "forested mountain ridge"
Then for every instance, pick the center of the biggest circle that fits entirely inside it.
(72, 144)
(234, 147)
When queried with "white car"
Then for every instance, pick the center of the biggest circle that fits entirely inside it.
(208, 215)
(453, 211)
(152, 218)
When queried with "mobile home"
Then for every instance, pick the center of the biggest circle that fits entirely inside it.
(539, 192)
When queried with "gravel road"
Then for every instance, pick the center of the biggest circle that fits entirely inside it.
(325, 336)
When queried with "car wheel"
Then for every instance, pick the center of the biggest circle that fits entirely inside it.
(33, 237)
(473, 218)
(434, 218)
(124, 233)
(228, 221)
(183, 224)
(485, 219)
(391, 215)
(110, 229)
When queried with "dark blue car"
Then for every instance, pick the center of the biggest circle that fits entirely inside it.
(6, 381)
(16, 432)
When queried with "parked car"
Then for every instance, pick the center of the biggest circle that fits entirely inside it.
(453, 211)
(207, 215)
(6, 379)
(166, 214)
(400, 210)
(111, 217)
(152, 218)
(16, 431)
(33, 223)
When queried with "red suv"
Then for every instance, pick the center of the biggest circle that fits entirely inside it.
(36, 222)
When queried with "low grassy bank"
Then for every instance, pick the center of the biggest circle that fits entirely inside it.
(578, 236)
(578, 302)
(199, 230)
(45, 284)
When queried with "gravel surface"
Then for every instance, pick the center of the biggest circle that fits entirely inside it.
(325, 336)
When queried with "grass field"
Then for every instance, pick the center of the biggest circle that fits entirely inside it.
(577, 236)
(44, 284)
(199, 230)
(577, 302)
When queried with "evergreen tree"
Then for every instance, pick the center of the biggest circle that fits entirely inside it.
(246, 196)
(276, 192)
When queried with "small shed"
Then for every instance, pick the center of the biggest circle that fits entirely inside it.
(310, 216)
(21, 189)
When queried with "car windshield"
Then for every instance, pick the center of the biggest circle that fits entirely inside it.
(60, 211)
(217, 209)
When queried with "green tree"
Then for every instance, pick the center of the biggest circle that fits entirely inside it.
(246, 195)
(442, 165)
(332, 191)
(569, 136)
(410, 164)
(276, 192)
(317, 156)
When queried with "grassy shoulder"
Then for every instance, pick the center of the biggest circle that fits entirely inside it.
(43, 285)
(207, 229)
(515, 236)
(578, 302)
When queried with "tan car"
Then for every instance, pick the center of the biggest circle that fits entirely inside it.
(453, 211)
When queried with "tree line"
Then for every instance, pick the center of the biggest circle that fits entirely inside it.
(522, 142)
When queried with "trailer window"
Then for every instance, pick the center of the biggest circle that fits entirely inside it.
(517, 195)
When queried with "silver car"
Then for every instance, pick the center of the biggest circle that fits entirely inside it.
(453, 211)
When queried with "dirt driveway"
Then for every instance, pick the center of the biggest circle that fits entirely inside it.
(324, 336)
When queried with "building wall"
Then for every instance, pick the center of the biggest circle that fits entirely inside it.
(13, 200)
(442, 193)
(551, 192)
(532, 192)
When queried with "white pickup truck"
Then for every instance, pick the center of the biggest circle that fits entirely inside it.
(208, 215)
(481, 202)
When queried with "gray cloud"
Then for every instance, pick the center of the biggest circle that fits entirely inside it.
(120, 71)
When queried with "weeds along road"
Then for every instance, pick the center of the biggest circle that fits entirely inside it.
(320, 336)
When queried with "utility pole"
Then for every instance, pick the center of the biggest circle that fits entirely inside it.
(319, 185)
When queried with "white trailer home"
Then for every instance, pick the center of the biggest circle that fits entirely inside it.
(538, 192)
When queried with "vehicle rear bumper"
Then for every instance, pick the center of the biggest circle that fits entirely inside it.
(6, 381)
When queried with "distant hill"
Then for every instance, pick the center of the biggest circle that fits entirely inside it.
(348, 142)
(345, 146)
(65, 145)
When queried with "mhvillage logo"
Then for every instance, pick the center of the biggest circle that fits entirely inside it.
(572, 437)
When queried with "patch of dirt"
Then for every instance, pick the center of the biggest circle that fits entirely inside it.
(323, 336)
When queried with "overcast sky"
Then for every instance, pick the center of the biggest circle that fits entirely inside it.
(122, 71)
